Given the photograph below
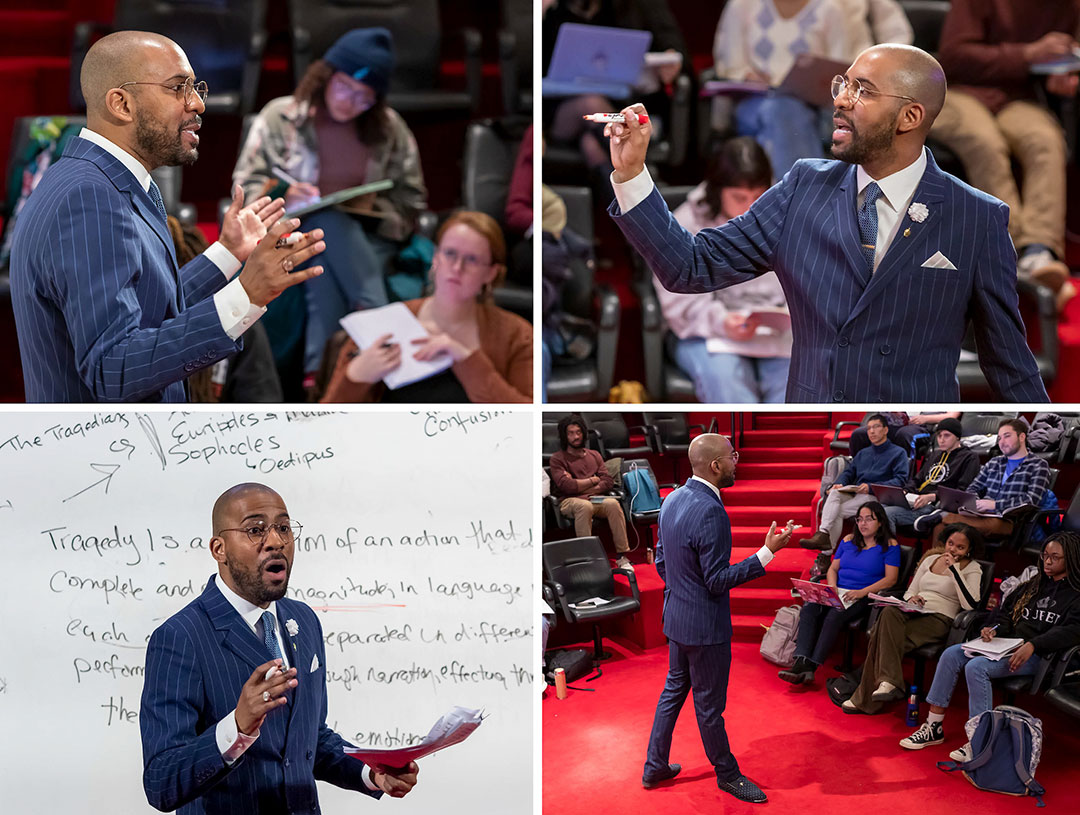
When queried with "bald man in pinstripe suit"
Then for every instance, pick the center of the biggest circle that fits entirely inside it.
(103, 311)
(693, 557)
(884, 259)
(233, 714)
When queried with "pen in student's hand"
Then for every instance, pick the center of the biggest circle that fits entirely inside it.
(612, 117)
(994, 627)
(284, 176)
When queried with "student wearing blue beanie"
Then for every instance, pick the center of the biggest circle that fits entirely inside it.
(336, 131)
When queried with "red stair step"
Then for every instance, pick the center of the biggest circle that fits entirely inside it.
(778, 469)
(35, 33)
(781, 438)
(796, 421)
(760, 600)
(765, 515)
(802, 453)
(749, 627)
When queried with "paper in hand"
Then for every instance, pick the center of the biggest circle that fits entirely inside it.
(451, 728)
(366, 327)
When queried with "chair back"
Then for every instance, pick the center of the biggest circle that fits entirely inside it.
(578, 292)
(608, 430)
(927, 17)
(549, 440)
(580, 566)
(491, 148)
(671, 428)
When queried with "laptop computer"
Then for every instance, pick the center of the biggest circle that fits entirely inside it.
(953, 500)
(810, 79)
(890, 496)
(595, 59)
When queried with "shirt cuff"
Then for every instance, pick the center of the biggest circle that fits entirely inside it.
(231, 742)
(225, 260)
(630, 193)
(765, 556)
(368, 772)
(235, 310)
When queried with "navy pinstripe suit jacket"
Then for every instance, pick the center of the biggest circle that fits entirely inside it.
(693, 557)
(102, 311)
(196, 663)
(892, 336)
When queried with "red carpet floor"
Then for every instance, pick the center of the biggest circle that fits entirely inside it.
(803, 751)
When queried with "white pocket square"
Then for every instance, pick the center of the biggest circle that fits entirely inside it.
(937, 261)
(314, 664)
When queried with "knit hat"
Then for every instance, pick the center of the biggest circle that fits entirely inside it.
(365, 54)
(950, 424)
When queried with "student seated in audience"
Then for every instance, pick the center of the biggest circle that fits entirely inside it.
(1044, 612)
(491, 348)
(760, 42)
(867, 560)
(996, 112)
(880, 463)
(562, 117)
(1005, 483)
(950, 464)
(581, 477)
(946, 582)
(715, 336)
(336, 131)
(904, 428)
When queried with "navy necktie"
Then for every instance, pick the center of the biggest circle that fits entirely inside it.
(155, 196)
(267, 621)
(868, 223)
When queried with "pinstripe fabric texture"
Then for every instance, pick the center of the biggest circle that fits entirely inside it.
(693, 558)
(196, 663)
(102, 311)
(891, 336)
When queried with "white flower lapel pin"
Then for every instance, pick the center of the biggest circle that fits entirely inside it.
(292, 627)
(918, 213)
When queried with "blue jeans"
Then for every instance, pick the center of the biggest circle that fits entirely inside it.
(903, 516)
(787, 128)
(979, 671)
(354, 264)
(730, 377)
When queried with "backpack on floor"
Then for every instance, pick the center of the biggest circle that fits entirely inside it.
(1006, 745)
(577, 662)
(778, 644)
(639, 484)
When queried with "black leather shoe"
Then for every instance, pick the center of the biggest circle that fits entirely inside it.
(672, 771)
(744, 789)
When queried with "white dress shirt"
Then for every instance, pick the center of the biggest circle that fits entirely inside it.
(897, 191)
(763, 554)
(235, 310)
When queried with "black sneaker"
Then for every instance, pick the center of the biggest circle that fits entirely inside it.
(664, 775)
(798, 672)
(927, 734)
(744, 789)
(926, 523)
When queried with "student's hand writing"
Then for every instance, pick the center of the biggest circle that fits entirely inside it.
(374, 362)
(988, 633)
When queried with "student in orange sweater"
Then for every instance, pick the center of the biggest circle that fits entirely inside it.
(491, 348)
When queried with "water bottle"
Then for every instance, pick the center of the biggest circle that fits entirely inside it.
(913, 708)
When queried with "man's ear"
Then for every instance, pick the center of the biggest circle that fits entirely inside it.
(217, 549)
(911, 118)
(118, 105)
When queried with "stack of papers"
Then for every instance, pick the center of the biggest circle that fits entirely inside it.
(998, 648)
(592, 602)
(899, 602)
(365, 327)
(451, 728)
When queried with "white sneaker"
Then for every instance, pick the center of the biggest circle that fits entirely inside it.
(961, 753)
(623, 563)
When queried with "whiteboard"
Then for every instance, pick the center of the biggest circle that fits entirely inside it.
(416, 552)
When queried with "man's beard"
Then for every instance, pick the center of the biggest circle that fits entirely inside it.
(866, 146)
(251, 587)
(166, 149)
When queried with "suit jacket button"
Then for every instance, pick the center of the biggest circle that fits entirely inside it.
(885, 350)
(838, 396)
(286, 762)
(844, 342)
(307, 755)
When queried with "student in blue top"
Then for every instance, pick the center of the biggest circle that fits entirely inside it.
(868, 560)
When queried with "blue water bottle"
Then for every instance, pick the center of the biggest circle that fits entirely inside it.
(913, 708)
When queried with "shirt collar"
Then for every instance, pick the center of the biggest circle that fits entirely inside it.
(898, 187)
(120, 154)
(250, 612)
(716, 492)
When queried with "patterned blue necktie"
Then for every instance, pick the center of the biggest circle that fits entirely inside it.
(868, 223)
(267, 620)
(155, 196)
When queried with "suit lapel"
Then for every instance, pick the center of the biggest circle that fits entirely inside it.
(931, 192)
(234, 634)
(292, 642)
(845, 217)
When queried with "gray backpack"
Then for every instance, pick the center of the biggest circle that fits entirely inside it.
(778, 644)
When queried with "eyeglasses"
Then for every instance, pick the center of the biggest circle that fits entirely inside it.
(286, 532)
(855, 90)
(1053, 558)
(733, 455)
(364, 98)
(183, 90)
(452, 256)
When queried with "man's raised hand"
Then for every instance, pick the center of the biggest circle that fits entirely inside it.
(629, 142)
(776, 541)
(269, 270)
(261, 695)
